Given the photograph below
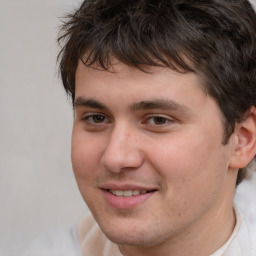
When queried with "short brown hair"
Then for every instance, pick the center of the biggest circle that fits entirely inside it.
(215, 39)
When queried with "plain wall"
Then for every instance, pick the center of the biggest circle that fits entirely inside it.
(38, 192)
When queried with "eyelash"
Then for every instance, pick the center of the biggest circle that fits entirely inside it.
(160, 118)
(152, 121)
(92, 116)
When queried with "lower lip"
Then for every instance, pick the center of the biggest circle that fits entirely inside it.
(126, 202)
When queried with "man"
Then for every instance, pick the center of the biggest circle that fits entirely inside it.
(165, 124)
(164, 96)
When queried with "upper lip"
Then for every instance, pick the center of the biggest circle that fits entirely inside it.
(116, 186)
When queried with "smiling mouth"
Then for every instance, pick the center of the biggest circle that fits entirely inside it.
(128, 193)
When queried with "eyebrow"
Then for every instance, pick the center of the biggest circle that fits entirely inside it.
(83, 102)
(165, 104)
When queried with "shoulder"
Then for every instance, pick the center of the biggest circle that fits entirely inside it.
(246, 239)
(60, 243)
(243, 243)
(245, 199)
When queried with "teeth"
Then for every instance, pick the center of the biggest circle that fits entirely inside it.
(135, 192)
(119, 193)
(127, 193)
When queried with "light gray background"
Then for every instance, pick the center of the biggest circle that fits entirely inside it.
(38, 192)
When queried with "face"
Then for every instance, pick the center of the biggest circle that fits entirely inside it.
(147, 153)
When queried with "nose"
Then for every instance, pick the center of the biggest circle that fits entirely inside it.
(122, 151)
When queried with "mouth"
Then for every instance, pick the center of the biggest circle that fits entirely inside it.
(125, 198)
(128, 193)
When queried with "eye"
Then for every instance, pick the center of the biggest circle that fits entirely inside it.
(95, 119)
(158, 120)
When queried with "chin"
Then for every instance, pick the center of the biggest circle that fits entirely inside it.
(130, 239)
(134, 235)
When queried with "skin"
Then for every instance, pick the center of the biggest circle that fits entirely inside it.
(173, 146)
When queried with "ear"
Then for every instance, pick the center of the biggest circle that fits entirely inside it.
(244, 141)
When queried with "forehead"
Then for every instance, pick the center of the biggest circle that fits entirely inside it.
(118, 70)
(130, 80)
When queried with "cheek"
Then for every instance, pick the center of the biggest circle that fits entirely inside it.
(191, 164)
(85, 155)
(196, 149)
(193, 175)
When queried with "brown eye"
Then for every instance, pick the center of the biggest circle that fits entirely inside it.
(98, 118)
(158, 120)
(94, 119)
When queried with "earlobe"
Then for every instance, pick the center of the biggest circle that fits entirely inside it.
(244, 141)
